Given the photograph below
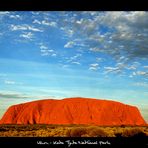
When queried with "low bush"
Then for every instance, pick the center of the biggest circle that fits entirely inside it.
(97, 132)
(136, 132)
(76, 132)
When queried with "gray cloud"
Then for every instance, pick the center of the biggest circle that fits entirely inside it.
(122, 29)
(124, 36)
(13, 95)
(143, 73)
(130, 32)
(145, 67)
(122, 65)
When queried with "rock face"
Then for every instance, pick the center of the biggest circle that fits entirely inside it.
(73, 111)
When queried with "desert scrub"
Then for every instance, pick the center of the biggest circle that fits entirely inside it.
(118, 131)
(135, 132)
(71, 131)
(110, 131)
(92, 131)
(97, 132)
(44, 133)
(76, 132)
(3, 129)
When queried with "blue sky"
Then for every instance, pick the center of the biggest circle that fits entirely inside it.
(60, 54)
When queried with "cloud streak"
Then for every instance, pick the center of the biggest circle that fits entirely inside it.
(24, 27)
(13, 95)
(94, 66)
(45, 22)
(70, 44)
(27, 35)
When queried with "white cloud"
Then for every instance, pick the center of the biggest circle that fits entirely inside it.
(142, 73)
(143, 84)
(52, 24)
(70, 44)
(43, 47)
(37, 22)
(77, 63)
(65, 66)
(27, 35)
(130, 76)
(18, 27)
(79, 21)
(47, 52)
(131, 68)
(112, 70)
(54, 55)
(24, 27)
(94, 66)
(73, 58)
(35, 13)
(70, 32)
(34, 29)
(45, 22)
(99, 59)
(75, 43)
(121, 66)
(67, 31)
(4, 12)
(50, 50)
(15, 16)
(96, 49)
(134, 74)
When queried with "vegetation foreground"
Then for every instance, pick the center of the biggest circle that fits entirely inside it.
(72, 131)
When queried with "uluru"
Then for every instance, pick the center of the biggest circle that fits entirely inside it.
(73, 111)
